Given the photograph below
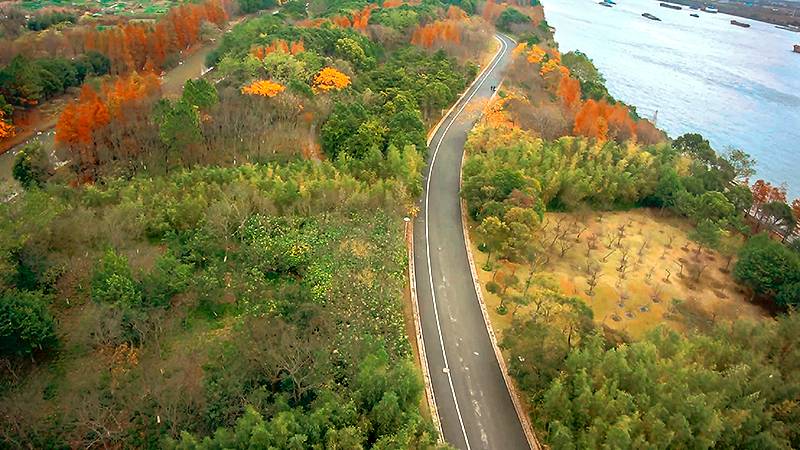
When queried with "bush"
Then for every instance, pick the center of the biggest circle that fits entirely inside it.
(25, 323)
(767, 266)
(511, 16)
(113, 283)
(31, 166)
(168, 278)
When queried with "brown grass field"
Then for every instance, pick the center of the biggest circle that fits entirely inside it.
(663, 280)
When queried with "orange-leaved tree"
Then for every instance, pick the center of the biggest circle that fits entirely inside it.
(764, 192)
(264, 88)
(278, 45)
(116, 102)
(130, 46)
(603, 121)
(569, 89)
(438, 32)
(330, 79)
(6, 129)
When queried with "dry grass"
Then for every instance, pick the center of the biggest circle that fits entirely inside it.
(665, 281)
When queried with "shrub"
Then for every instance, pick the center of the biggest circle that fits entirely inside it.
(168, 278)
(31, 166)
(25, 323)
(113, 283)
(511, 16)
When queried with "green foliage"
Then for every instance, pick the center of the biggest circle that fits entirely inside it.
(566, 173)
(707, 233)
(401, 18)
(113, 283)
(262, 31)
(347, 130)
(766, 266)
(251, 6)
(725, 389)
(178, 127)
(169, 277)
(31, 166)
(380, 412)
(789, 295)
(26, 325)
(350, 50)
(200, 93)
(26, 81)
(44, 21)
(510, 16)
(593, 85)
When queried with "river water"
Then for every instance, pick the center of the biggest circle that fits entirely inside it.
(737, 87)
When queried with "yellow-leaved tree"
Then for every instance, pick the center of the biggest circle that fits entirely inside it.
(330, 79)
(264, 88)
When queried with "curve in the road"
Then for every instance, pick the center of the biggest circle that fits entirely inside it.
(472, 399)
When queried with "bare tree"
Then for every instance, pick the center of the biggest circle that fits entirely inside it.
(594, 274)
(605, 258)
(579, 229)
(649, 275)
(655, 295)
(564, 246)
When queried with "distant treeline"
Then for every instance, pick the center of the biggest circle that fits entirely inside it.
(28, 81)
(47, 20)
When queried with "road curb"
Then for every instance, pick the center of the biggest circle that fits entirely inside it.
(512, 389)
(423, 360)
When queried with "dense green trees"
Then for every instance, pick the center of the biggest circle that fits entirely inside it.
(396, 118)
(769, 268)
(729, 388)
(593, 85)
(510, 16)
(26, 325)
(24, 82)
(569, 171)
(379, 412)
(251, 6)
(46, 20)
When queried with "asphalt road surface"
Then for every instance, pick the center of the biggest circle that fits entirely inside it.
(474, 405)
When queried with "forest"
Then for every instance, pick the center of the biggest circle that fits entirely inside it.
(225, 267)
(559, 182)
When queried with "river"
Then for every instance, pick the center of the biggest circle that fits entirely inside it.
(737, 87)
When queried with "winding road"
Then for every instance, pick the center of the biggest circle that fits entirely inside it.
(474, 405)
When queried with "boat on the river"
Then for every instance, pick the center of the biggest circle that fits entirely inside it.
(740, 24)
(694, 15)
(670, 6)
(651, 17)
(711, 9)
(606, 4)
(797, 48)
(793, 28)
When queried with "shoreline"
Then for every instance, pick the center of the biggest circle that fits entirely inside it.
(677, 106)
